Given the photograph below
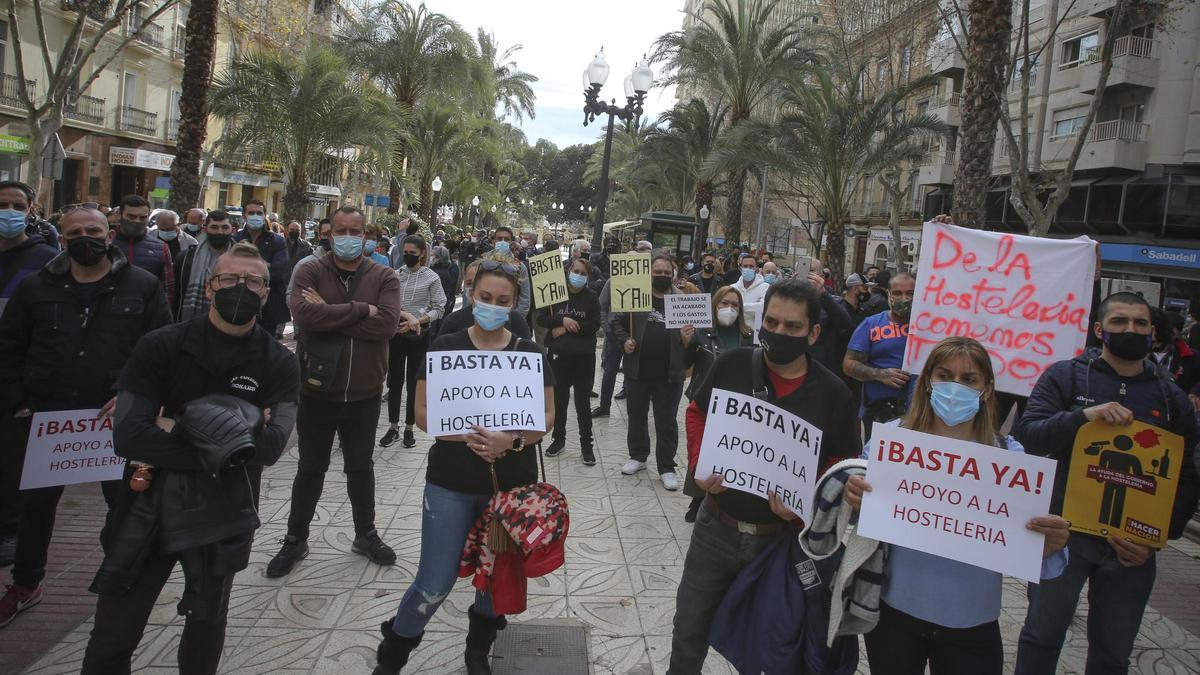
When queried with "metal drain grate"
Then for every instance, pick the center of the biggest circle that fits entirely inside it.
(558, 647)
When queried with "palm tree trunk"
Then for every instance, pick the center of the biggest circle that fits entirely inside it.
(295, 197)
(733, 208)
(835, 248)
(199, 51)
(989, 30)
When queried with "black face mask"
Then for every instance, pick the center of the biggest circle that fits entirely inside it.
(327, 244)
(293, 237)
(660, 284)
(709, 267)
(87, 251)
(781, 349)
(863, 297)
(1128, 346)
(131, 228)
(219, 241)
(238, 305)
(411, 259)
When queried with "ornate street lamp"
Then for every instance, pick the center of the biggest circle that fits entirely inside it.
(437, 187)
(636, 86)
(475, 208)
(702, 240)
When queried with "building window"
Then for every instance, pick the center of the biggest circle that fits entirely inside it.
(1082, 49)
(222, 195)
(1068, 122)
(881, 67)
(3, 43)
(905, 63)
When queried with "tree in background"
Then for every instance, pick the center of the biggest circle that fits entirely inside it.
(301, 109)
(510, 87)
(198, 55)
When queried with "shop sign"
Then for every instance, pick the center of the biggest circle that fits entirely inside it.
(383, 201)
(886, 235)
(369, 200)
(324, 190)
(17, 145)
(1162, 256)
(240, 177)
(143, 159)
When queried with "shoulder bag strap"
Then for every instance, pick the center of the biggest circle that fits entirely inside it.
(758, 379)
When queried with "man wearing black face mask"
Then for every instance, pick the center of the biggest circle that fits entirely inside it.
(854, 298)
(196, 265)
(223, 352)
(65, 334)
(1117, 384)
(733, 526)
(707, 279)
(148, 253)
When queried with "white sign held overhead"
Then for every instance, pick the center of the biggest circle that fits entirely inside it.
(69, 447)
(497, 390)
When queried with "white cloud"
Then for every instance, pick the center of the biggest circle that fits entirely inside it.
(559, 38)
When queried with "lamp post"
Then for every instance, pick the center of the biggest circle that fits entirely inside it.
(636, 86)
(702, 240)
(475, 208)
(437, 187)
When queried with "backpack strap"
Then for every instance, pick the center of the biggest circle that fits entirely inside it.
(758, 376)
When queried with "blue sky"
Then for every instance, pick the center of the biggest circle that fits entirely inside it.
(559, 38)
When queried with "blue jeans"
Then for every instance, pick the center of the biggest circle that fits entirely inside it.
(446, 519)
(664, 398)
(610, 363)
(1117, 597)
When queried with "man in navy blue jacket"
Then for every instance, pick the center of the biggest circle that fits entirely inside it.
(273, 249)
(1117, 384)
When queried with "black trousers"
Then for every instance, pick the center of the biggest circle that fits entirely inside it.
(121, 621)
(404, 364)
(902, 644)
(317, 421)
(39, 508)
(664, 398)
(14, 434)
(573, 371)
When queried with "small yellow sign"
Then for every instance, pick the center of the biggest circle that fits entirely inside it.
(1122, 481)
(630, 281)
(546, 275)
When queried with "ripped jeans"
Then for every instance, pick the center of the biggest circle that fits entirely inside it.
(446, 519)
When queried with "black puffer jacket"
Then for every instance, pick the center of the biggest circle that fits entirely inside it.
(57, 354)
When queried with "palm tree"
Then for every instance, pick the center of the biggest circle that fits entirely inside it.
(409, 52)
(829, 138)
(989, 30)
(739, 52)
(299, 109)
(199, 52)
(511, 86)
(434, 135)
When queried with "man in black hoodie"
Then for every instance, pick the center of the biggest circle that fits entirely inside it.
(1117, 384)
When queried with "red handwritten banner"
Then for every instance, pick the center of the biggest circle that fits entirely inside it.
(1027, 299)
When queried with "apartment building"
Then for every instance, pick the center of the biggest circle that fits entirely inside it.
(120, 132)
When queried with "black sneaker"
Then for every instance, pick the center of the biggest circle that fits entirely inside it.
(599, 412)
(594, 395)
(589, 456)
(410, 441)
(620, 395)
(390, 437)
(293, 551)
(372, 546)
(8, 550)
(555, 449)
(693, 509)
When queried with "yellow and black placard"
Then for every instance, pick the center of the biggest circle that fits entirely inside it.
(1122, 481)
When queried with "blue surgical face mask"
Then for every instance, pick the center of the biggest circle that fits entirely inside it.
(369, 247)
(348, 248)
(12, 223)
(466, 296)
(503, 247)
(954, 403)
(489, 317)
(255, 221)
(192, 228)
(577, 280)
(168, 235)
(748, 273)
(769, 277)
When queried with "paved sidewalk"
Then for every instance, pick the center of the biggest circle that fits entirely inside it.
(624, 558)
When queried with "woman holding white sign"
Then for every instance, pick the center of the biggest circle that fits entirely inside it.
(934, 610)
(459, 480)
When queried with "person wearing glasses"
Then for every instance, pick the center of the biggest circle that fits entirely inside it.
(346, 308)
(65, 334)
(459, 481)
(225, 353)
(193, 268)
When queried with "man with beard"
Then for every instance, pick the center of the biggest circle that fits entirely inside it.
(148, 253)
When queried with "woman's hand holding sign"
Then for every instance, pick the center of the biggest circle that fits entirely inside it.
(489, 445)
(1056, 531)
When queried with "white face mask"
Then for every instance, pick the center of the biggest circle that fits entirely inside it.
(726, 316)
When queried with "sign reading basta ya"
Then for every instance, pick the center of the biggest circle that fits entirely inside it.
(68, 447)
(497, 390)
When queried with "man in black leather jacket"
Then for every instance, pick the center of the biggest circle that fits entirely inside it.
(223, 352)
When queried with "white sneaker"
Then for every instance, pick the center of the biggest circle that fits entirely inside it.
(633, 466)
(670, 481)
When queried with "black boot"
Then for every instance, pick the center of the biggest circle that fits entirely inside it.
(393, 652)
(480, 637)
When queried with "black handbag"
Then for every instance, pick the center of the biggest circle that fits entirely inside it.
(319, 356)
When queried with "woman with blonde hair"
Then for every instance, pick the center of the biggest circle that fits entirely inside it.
(935, 611)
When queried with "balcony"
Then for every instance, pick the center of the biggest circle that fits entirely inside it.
(1113, 144)
(96, 10)
(945, 108)
(10, 94)
(85, 109)
(172, 130)
(945, 60)
(1135, 64)
(151, 35)
(138, 121)
(937, 168)
(1097, 8)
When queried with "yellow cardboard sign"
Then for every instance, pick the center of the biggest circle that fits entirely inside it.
(1122, 481)
(630, 282)
(546, 275)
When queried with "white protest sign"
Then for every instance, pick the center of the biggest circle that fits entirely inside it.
(1027, 299)
(956, 499)
(759, 448)
(688, 309)
(497, 390)
(69, 447)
